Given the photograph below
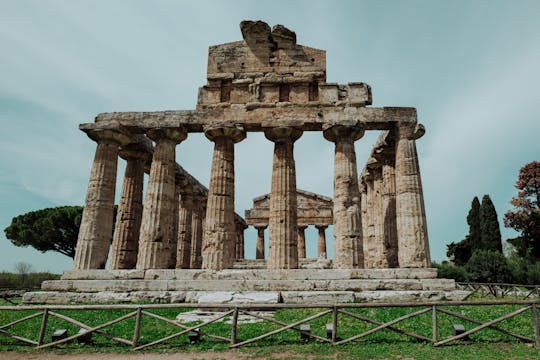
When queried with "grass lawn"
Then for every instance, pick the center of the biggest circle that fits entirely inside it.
(486, 344)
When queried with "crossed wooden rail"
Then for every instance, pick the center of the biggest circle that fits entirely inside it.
(501, 289)
(233, 311)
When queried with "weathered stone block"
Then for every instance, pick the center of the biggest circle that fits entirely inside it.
(317, 297)
(102, 274)
(239, 95)
(359, 93)
(299, 94)
(328, 93)
(209, 95)
(231, 297)
(269, 93)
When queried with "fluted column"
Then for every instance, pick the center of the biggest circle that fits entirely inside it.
(369, 243)
(348, 251)
(183, 248)
(378, 247)
(95, 231)
(128, 218)
(157, 243)
(219, 237)
(413, 246)
(389, 213)
(240, 227)
(302, 242)
(283, 208)
(197, 221)
(321, 241)
(259, 252)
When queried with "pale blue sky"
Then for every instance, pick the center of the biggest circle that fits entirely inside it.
(471, 68)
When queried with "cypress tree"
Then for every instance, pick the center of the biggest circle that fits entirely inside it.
(461, 252)
(490, 233)
(473, 219)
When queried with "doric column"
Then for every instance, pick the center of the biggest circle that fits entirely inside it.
(283, 209)
(183, 248)
(302, 242)
(321, 241)
(413, 246)
(378, 250)
(362, 183)
(368, 242)
(219, 237)
(157, 243)
(348, 252)
(197, 221)
(240, 227)
(259, 252)
(95, 231)
(389, 213)
(128, 218)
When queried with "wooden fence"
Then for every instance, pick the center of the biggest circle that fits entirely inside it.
(139, 311)
(501, 289)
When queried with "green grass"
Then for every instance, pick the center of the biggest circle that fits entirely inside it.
(486, 344)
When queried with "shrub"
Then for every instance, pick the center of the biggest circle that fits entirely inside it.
(446, 270)
(488, 266)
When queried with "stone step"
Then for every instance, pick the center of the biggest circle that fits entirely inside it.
(252, 274)
(249, 285)
(305, 297)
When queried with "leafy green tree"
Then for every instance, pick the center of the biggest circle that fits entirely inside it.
(488, 266)
(51, 229)
(462, 251)
(525, 218)
(490, 233)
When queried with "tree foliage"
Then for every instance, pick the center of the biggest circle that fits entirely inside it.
(488, 266)
(51, 229)
(490, 233)
(525, 218)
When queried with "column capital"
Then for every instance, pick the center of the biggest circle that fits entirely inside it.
(263, 227)
(321, 227)
(234, 132)
(108, 136)
(283, 133)
(133, 152)
(410, 131)
(353, 129)
(302, 227)
(177, 135)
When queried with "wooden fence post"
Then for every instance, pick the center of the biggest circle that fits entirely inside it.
(137, 330)
(43, 326)
(334, 324)
(234, 326)
(435, 328)
(536, 325)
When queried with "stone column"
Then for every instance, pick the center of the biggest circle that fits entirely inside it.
(183, 248)
(128, 218)
(219, 237)
(389, 213)
(259, 252)
(364, 213)
(197, 221)
(283, 209)
(240, 240)
(378, 250)
(157, 243)
(413, 246)
(302, 242)
(95, 232)
(348, 251)
(369, 235)
(321, 241)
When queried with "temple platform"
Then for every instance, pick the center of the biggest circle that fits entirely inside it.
(246, 286)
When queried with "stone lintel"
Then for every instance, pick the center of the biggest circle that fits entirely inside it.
(312, 117)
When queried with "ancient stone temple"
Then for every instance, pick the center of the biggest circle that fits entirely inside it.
(181, 241)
